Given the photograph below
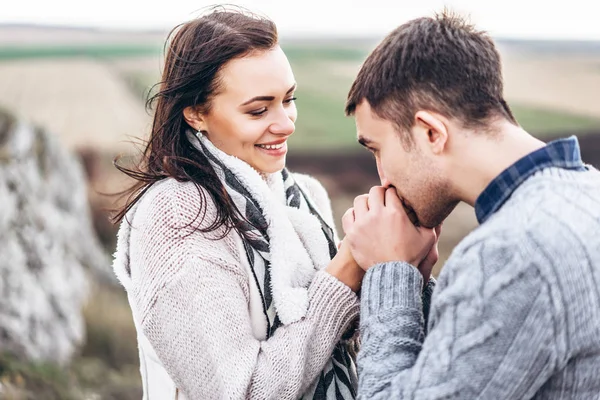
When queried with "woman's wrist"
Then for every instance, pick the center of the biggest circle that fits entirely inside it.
(346, 271)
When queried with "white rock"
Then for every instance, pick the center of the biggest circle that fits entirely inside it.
(47, 245)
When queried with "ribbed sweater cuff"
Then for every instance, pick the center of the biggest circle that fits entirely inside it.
(332, 300)
(390, 285)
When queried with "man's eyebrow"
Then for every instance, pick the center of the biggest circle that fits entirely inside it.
(290, 90)
(267, 98)
(364, 141)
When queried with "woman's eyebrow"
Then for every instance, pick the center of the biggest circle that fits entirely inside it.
(267, 98)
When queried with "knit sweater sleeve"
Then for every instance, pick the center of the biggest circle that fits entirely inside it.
(192, 295)
(493, 332)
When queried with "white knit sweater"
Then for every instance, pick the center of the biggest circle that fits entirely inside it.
(196, 307)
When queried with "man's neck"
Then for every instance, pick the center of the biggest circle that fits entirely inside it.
(479, 157)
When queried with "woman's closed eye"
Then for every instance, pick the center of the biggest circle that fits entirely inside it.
(259, 112)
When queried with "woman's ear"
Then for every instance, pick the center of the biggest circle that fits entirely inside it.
(194, 118)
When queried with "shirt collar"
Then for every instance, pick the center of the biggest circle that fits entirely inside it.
(561, 153)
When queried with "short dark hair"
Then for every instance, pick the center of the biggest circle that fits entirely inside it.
(442, 64)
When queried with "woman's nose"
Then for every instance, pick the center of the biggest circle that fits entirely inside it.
(283, 127)
(284, 124)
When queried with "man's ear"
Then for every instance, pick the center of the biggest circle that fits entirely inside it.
(434, 128)
(194, 118)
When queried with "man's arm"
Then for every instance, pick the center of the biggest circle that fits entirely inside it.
(493, 334)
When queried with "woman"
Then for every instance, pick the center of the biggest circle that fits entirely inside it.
(229, 261)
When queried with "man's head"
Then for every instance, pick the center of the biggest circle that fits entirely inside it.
(430, 80)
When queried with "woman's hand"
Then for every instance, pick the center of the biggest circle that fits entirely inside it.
(426, 266)
(345, 269)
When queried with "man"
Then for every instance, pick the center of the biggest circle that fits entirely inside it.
(515, 313)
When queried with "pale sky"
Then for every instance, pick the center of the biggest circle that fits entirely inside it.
(528, 19)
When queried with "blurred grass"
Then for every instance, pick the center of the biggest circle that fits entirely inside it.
(111, 334)
(544, 121)
(109, 361)
(309, 53)
(106, 368)
(27, 380)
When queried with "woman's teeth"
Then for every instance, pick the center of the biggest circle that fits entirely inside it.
(270, 146)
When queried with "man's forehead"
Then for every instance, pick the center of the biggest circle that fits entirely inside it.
(361, 134)
(370, 125)
(365, 116)
(366, 129)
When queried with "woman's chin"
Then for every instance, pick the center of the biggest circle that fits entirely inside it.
(270, 161)
(271, 167)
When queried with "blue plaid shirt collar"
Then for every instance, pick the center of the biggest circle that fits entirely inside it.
(562, 153)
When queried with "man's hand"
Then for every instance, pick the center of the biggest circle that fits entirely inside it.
(378, 230)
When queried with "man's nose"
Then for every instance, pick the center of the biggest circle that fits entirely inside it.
(384, 181)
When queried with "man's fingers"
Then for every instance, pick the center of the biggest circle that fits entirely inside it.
(430, 235)
(361, 205)
(426, 266)
(376, 198)
(392, 199)
(438, 231)
(348, 220)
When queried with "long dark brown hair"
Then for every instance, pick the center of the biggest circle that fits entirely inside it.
(195, 52)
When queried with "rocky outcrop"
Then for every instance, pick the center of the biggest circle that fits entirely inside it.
(48, 248)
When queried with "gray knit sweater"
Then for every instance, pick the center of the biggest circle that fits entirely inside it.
(515, 313)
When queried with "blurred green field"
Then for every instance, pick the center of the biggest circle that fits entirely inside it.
(322, 92)
(324, 75)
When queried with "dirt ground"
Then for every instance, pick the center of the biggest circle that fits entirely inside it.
(556, 82)
(83, 101)
(35, 35)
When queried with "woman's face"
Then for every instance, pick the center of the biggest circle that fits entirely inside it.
(253, 114)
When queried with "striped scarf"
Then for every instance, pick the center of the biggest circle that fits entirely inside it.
(338, 379)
